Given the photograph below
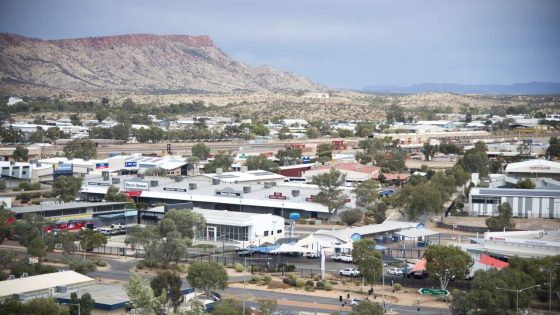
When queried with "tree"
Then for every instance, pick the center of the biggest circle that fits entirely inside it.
(460, 304)
(266, 306)
(142, 297)
(90, 240)
(66, 188)
(284, 133)
(201, 151)
(504, 219)
(291, 155)
(20, 154)
(221, 160)
(186, 222)
(228, 306)
(54, 133)
(6, 257)
(170, 282)
(415, 201)
(75, 120)
(260, 130)
(36, 306)
(367, 259)
(114, 195)
(37, 248)
(447, 262)
(81, 149)
(553, 149)
(350, 216)
(37, 136)
(261, 162)
(6, 218)
(395, 113)
(330, 195)
(207, 276)
(101, 114)
(366, 307)
(364, 129)
(64, 237)
(366, 192)
(380, 212)
(156, 171)
(85, 302)
(525, 183)
(312, 133)
(324, 152)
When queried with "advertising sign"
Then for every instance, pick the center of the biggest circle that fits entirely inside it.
(131, 164)
(129, 184)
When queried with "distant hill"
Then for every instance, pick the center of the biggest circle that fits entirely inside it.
(139, 63)
(532, 88)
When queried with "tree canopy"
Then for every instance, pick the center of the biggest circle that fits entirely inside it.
(367, 259)
(447, 262)
(350, 216)
(221, 160)
(261, 162)
(330, 194)
(81, 149)
(504, 219)
(201, 151)
(66, 187)
(207, 276)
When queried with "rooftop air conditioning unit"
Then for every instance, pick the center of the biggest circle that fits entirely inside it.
(61, 289)
(70, 158)
(267, 185)
(295, 192)
(24, 275)
(105, 175)
(141, 176)
(219, 170)
(38, 164)
(178, 178)
(192, 186)
(246, 189)
(11, 277)
(273, 184)
(154, 183)
(116, 180)
(12, 162)
(215, 181)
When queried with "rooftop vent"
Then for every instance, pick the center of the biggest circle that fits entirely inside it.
(215, 181)
(244, 168)
(178, 178)
(267, 185)
(12, 162)
(154, 183)
(247, 189)
(192, 186)
(219, 170)
(295, 192)
(116, 180)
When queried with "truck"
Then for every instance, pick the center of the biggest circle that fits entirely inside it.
(349, 272)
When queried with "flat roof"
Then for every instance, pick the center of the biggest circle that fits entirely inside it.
(42, 282)
(109, 295)
(63, 206)
(346, 234)
(413, 232)
(534, 166)
(257, 175)
(515, 192)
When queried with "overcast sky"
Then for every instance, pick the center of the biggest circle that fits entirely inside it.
(346, 43)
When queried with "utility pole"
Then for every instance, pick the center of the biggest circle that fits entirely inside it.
(517, 291)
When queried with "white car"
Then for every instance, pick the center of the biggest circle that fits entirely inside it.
(395, 271)
(311, 255)
(349, 272)
(355, 301)
(345, 258)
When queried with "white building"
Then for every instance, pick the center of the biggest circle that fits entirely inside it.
(534, 168)
(45, 284)
(525, 203)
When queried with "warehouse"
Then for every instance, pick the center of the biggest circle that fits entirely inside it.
(525, 203)
(30, 287)
(533, 169)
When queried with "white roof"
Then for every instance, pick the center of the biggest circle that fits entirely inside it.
(345, 234)
(257, 175)
(413, 232)
(42, 282)
(534, 166)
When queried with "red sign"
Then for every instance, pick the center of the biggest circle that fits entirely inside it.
(310, 198)
(135, 193)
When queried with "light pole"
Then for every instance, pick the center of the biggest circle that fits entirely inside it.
(517, 291)
(550, 272)
(383, 281)
(73, 304)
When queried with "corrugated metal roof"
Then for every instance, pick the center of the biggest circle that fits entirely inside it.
(516, 192)
(42, 282)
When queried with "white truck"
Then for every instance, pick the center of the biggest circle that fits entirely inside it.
(349, 272)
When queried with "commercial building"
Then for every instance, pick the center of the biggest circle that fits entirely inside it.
(354, 172)
(534, 168)
(525, 203)
(42, 285)
(131, 164)
(216, 193)
(24, 171)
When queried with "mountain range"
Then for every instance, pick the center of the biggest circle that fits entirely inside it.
(532, 88)
(139, 63)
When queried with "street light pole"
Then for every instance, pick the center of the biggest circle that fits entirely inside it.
(517, 291)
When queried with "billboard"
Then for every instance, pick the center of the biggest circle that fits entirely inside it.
(102, 165)
(131, 164)
(129, 184)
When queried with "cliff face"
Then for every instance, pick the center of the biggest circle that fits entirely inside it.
(139, 63)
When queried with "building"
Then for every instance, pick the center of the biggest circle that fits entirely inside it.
(91, 211)
(42, 285)
(216, 193)
(534, 168)
(354, 172)
(525, 203)
(246, 177)
(130, 164)
(418, 139)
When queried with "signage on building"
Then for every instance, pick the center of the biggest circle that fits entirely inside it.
(228, 192)
(130, 184)
(294, 216)
(63, 167)
(174, 189)
(540, 168)
(101, 165)
(98, 184)
(130, 164)
(310, 198)
(356, 237)
(277, 195)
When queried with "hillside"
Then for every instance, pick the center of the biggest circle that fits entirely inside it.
(532, 88)
(132, 64)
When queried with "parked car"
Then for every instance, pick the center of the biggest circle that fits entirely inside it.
(355, 301)
(311, 255)
(395, 271)
(346, 258)
(349, 272)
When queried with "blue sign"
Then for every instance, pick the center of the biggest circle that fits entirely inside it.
(356, 237)
(420, 226)
(294, 216)
(130, 164)
(306, 160)
(64, 167)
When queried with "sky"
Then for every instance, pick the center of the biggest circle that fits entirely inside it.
(341, 44)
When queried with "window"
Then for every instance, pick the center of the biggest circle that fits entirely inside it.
(265, 233)
(279, 231)
(271, 232)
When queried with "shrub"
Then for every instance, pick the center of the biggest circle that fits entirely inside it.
(141, 264)
(292, 276)
(357, 283)
(255, 279)
(287, 268)
(266, 279)
(317, 277)
(333, 282)
(300, 283)
(309, 282)
(286, 281)
(182, 268)
(320, 285)
(82, 266)
(277, 285)
(328, 286)
(238, 267)
(308, 288)
(100, 263)
(229, 265)
(397, 286)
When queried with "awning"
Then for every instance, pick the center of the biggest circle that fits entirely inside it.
(420, 265)
(492, 262)
(415, 233)
(290, 248)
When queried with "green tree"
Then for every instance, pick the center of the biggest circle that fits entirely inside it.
(553, 149)
(101, 114)
(447, 262)
(266, 306)
(291, 155)
(312, 133)
(90, 240)
(504, 219)
(6, 257)
(64, 237)
(284, 133)
(75, 120)
(201, 151)
(141, 296)
(207, 276)
(475, 160)
(261, 162)
(351, 216)
(330, 194)
(415, 201)
(66, 188)
(20, 154)
(460, 304)
(228, 306)
(221, 160)
(366, 307)
(260, 130)
(37, 248)
(366, 192)
(5, 225)
(81, 149)
(525, 183)
(367, 259)
(429, 151)
(395, 113)
(114, 195)
(186, 222)
(364, 129)
(379, 212)
(36, 306)
(324, 152)
(85, 302)
(37, 136)
(170, 282)
(54, 133)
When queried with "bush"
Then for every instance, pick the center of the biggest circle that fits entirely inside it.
(82, 266)
(141, 264)
(286, 281)
(397, 286)
(229, 265)
(320, 285)
(277, 285)
(238, 267)
(182, 268)
(266, 279)
(309, 282)
(308, 288)
(317, 277)
(300, 283)
(100, 263)
(255, 279)
(328, 286)
(287, 268)
(292, 276)
(333, 282)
